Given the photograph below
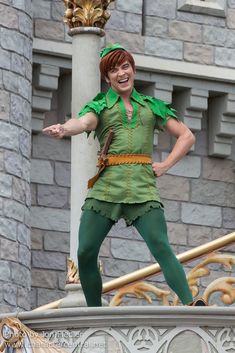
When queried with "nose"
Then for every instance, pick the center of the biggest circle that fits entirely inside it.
(121, 72)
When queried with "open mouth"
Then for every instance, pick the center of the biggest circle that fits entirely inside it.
(123, 80)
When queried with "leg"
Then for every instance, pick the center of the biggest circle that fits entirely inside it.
(152, 228)
(93, 229)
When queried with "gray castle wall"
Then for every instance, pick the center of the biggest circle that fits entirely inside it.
(197, 186)
(15, 153)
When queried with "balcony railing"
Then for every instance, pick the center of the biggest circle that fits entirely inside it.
(133, 284)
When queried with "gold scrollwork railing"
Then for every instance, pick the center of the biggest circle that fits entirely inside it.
(130, 283)
(185, 257)
(18, 338)
(133, 284)
(224, 285)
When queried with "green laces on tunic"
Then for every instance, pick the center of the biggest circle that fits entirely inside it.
(127, 183)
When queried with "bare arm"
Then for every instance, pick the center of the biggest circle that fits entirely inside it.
(185, 140)
(73, 126)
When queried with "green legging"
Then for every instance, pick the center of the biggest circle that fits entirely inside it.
(152, 227)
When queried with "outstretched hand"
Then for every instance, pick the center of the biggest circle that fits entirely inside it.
(159, 168)
(56, 131)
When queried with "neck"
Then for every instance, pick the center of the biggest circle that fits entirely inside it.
(124, 95)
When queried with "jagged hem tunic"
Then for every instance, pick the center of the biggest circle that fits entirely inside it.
(120, 187)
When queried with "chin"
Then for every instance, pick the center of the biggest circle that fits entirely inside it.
(123, 89)
(126, 88)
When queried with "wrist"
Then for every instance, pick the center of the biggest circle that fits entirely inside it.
(166, 165)
(63, 129)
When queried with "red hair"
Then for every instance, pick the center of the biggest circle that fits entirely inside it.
(115, 57)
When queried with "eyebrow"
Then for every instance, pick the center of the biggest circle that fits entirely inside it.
(117, 65)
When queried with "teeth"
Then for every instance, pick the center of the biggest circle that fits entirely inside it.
(125, 80)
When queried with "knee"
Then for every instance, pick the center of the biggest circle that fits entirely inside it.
(81, 255)
(162, 247)
(85, 255)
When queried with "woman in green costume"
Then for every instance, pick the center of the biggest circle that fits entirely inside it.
(126, 188)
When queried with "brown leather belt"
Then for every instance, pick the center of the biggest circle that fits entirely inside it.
(118, 159)
(125, 159)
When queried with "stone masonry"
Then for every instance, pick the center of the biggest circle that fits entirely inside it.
(198, 193)
(15, 153)
(50, 189)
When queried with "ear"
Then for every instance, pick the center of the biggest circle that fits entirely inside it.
(107, 79)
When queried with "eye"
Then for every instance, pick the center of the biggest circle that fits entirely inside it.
(125, 66)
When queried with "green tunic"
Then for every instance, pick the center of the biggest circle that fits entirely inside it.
(127, 183)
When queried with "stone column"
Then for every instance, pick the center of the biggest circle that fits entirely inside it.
(85, 85)
(15, 149)
(86, 24)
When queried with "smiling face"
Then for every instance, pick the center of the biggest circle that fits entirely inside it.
(118, 69)
(121, 78)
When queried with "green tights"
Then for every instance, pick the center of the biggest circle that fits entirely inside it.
(152, 228)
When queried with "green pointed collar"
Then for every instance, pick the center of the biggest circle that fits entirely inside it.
(112, 97)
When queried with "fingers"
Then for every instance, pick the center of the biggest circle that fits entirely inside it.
(158, 169)
(155, 172)
(154, 169)
(54, 131)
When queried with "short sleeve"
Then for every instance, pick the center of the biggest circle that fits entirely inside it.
(162, 110)
(95, 106)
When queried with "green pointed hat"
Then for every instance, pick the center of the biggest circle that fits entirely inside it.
(110, 47)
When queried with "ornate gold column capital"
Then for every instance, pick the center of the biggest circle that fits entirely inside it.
(86, 13)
